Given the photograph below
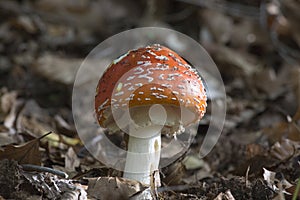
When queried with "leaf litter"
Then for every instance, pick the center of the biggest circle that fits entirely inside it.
(27, 153)
(43, 44)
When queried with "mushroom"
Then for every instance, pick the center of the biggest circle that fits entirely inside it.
(161, 94)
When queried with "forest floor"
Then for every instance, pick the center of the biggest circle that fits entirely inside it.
(43, 43)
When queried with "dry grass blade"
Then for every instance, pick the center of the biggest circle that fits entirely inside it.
(27, 153)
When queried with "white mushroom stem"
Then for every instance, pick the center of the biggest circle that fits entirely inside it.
(143, 156)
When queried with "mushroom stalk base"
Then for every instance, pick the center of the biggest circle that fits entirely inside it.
(143, 159)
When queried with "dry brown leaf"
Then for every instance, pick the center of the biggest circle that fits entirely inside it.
(6, 138)
(289, 129)
(225, 196)
(173, 174)
(295, 80)
(285, 129)
(284, 149)
(269, 82)
(274, 183)
(196, 175)
(7, 100)
(25, 24)
(55, 188)
(10, 107)
(10, 119)
(64, 127)
(27, 153)
(71, 160)
(34, 119)
(235, 61)
(290, 9)
(292, 190)
(83, 14)
(63, 69)
(57, 68)
(113, 188)
(192, 162)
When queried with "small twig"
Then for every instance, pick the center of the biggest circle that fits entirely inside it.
(45, 135)
(30, 167)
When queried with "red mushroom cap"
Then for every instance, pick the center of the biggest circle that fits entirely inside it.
(147, 76)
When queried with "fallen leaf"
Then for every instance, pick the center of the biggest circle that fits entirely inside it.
(290, 9)
(269, 82)
(7, 100)
(235, 61)
(284, 149)
(10, 107)
(6, 138)
(64, 127)
(289, 129)
(193, 162)
(225, 196)
(274, 183)
(34, 119)
(10, 119)
(27, 153)
(25, 23)
(293, 189)
(83, 15)
(55, 188)
(113, 188)
(71, 160)
(173, 173)
(57, 68)
(277, 131)
(145, 194)
(204, 172)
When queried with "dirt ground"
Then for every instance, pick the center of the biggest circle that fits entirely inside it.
(255, 45)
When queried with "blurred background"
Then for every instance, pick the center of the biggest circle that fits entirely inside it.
(255, 44)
